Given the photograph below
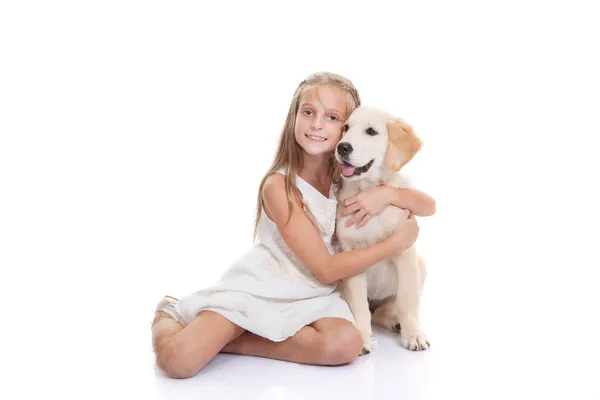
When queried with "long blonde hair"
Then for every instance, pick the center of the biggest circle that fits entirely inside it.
(289, 152)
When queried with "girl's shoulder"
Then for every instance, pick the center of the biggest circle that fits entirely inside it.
(278, 178)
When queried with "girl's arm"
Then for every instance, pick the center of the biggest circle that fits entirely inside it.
(414, 200)
(303, 238)
(371, 201)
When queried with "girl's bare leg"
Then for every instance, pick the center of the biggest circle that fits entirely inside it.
(328, 341)
(182, 351)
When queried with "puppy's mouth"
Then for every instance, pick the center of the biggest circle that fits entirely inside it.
(349, 170)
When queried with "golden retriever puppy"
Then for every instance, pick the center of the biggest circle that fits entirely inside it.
(375, 146)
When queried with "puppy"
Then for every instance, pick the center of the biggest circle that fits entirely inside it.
(375, 146)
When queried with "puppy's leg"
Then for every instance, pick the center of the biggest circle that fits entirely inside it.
(410, 281)
(354, 291)
(423, 271)
(386, 316)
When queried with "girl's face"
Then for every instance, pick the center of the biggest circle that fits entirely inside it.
(320, 119)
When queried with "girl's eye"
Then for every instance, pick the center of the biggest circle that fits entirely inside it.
(306, 111)
(371, 132)
(334, 118)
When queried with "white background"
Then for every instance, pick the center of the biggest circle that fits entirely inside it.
(134, 134)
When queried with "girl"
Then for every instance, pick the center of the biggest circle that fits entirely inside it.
(279, 300)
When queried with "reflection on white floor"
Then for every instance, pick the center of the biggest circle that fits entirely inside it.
(479, 360)
(388, 370)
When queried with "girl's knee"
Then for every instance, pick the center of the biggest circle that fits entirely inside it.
(341, 345)
(173, 361)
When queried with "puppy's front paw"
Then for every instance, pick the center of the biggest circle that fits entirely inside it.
(366, 334)
(367, 343)
(414, 342)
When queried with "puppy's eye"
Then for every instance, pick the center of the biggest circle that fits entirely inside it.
(346, 127)
(371, 132)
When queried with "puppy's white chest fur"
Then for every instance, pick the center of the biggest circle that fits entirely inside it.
(381, 279)
(380, 227)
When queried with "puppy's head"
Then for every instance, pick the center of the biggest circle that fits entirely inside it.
(373, 141)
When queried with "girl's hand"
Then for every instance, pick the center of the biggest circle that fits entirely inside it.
(405, 234)
(366, 204)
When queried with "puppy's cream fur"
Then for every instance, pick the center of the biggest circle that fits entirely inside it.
(395, 284)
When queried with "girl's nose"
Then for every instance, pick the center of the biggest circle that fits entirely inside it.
(317, 123)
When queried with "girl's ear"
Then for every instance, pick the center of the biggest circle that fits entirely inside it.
(403, 144)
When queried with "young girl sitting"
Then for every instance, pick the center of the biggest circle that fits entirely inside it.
(279, 300)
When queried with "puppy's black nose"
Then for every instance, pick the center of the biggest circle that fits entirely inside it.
(344, 148)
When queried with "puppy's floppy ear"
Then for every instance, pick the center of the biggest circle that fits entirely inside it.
(403, 144)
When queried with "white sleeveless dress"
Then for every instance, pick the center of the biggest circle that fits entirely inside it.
(268, 291)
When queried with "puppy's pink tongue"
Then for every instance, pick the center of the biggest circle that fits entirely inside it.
(347, 169)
